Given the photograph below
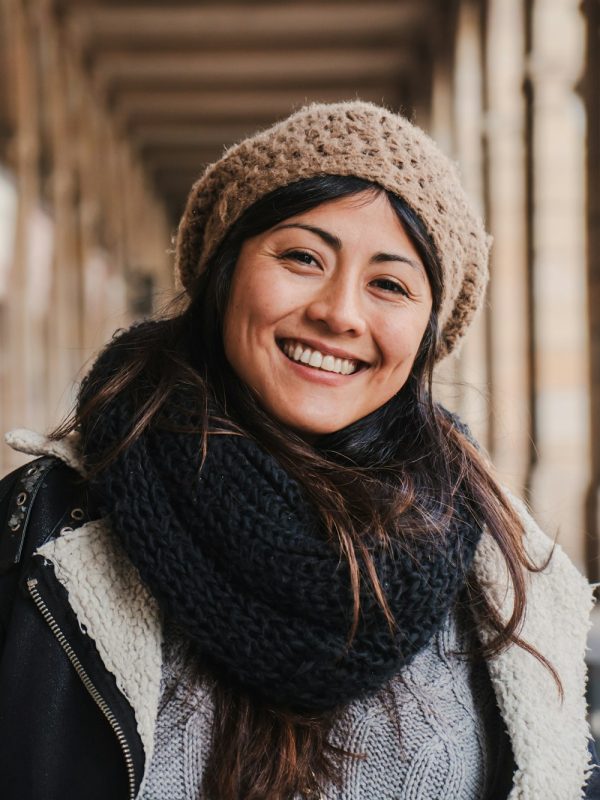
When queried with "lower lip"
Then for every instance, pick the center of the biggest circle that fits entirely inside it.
(319, 375)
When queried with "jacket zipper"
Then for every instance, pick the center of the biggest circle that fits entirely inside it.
(86, 680)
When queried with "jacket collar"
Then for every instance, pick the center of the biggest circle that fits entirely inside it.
(549, 738)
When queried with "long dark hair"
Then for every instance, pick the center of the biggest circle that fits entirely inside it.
(397, 472)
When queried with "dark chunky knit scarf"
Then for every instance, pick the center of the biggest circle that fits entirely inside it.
(237, 557)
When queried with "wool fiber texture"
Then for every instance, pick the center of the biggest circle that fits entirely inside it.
(352, 138)
(130, 649)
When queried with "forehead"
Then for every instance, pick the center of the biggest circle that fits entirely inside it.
(365, 221)
(370, 204)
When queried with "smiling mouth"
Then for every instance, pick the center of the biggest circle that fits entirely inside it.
(301, 354)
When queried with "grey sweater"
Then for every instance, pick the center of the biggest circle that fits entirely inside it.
(433, 732)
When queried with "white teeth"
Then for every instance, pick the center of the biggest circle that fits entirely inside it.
(316, 359)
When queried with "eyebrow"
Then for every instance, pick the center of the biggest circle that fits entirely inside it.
(336, 243)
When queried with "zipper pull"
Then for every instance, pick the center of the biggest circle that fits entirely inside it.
(32, 583)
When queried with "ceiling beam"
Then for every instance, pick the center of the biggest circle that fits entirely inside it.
(242, 68)
(195, 133)
(181, 159)
(180, 179)
(217, 25)
(186, 79)
(145, 105)
(177, 184)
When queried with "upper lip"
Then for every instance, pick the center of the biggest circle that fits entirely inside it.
(324, 348)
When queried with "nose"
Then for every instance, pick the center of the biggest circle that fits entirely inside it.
(337, 305)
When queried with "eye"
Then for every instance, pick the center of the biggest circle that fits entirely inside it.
(389, 285)
(302, 257)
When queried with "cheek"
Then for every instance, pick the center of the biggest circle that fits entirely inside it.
(399, 341)
(254, 307)
(234, 320)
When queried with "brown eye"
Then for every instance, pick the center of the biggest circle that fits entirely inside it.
(301, 256)
(390, 286)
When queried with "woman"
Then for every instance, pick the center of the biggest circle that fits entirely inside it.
(288, 573)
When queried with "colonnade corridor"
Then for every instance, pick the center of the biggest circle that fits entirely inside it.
(109, 111)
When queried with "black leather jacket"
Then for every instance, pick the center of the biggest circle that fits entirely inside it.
(66, 731)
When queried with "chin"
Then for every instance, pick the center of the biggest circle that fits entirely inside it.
(309, 429)
(309, 419)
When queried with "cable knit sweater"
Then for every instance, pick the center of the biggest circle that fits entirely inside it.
(434, 732)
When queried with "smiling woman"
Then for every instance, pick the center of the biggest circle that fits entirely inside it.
(301, 577)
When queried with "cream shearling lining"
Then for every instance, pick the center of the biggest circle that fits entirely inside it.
(117, 612)
(549, 739)
(36, 444)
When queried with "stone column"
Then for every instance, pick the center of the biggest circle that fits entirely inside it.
(103, 296)
(446, 379)
(7, 85)
(508, 289)
(592, 94)
(18, 341)
(472, 365)
(8, 192)
(64, 333)
(561, 475)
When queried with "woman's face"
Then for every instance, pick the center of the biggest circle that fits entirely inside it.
(326, 313)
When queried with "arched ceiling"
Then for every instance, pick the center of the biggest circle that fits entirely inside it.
(186, 79)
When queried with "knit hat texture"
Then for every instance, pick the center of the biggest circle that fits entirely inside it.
(350, 138)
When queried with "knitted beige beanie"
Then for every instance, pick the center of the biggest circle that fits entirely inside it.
(352, 138)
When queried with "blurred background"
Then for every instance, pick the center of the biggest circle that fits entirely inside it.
(109, 110)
